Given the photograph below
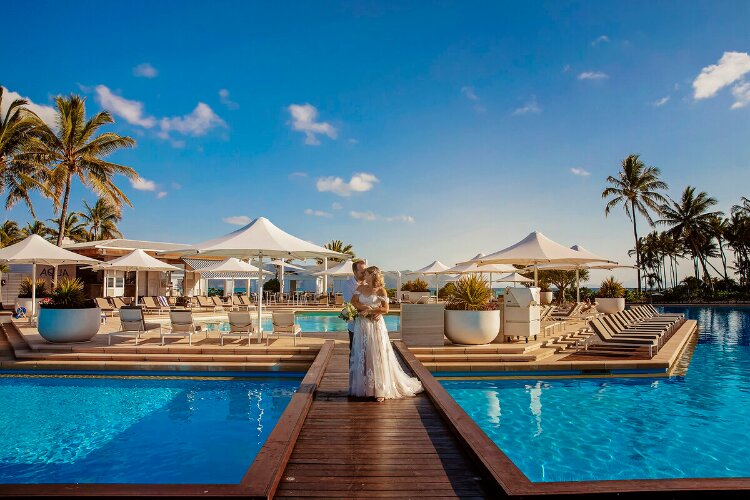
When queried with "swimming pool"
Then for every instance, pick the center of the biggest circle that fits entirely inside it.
(71, 429)
(321, 322)
(687, 426)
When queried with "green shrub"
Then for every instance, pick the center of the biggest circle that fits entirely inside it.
(471, 294)
(25, 289)
(272, 285)
(611, 289)
(68, 294)
(391, 292)
(447, 290)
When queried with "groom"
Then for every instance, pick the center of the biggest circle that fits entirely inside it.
(350, 285)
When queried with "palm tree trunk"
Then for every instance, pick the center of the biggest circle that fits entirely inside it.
(64, 211)
(637, 247)
(723, 258)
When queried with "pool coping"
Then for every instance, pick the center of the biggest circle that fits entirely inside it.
(260, 480)
(501, 469)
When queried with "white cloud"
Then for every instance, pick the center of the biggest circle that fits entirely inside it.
(298, 175)
(593, 75)
(161, 194)
(359, 183)
(468, 92)
(352, 140)
(318, 213)
(600, 39)
(176, 185)
(731, 67)
(566, 68)
(145, 70)
(226, 101)
(530, 107)
(199, 122)
(142, 184)
(367, 216)
(408, 219)
(46, 113)
(131, 111)
(237, 220)
(580, 172)
(304, 119)
(661, 102)
(741, 93)
(336, 205)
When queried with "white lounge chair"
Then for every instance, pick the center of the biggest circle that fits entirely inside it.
(283, 324)
(181, 325)
(240, 325)
(132, 324)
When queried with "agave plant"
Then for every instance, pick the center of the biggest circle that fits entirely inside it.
(69, 293)
(26, 286)
(471, 293)
(611, 289)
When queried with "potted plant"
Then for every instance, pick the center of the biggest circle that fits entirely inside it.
(415, 289)
(67, 315)
(546, 295)
(611, 296)
(470, 317)
(25, 292)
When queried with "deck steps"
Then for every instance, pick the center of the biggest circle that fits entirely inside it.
(172, 349)
(510, 348)
(164, 357)
(472, 362)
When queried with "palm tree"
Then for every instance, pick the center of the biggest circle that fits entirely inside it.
(17, 178)
(101, 220)
(339, 246)
(9, 233)
(74, 228)
(37, 227)
(719, 228)
(690, 220)
(75, 151)
(636, 188)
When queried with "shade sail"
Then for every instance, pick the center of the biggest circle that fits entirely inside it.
(473, 267)
(137, 260)
(599, 263)
(36, 250)
(537, 249)
(287, 265)
(259, 238)
(342, 269)
(231, 266)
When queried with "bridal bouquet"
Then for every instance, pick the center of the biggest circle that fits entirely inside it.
(349, 312)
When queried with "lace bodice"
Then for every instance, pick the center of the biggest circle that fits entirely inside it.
(372, 300)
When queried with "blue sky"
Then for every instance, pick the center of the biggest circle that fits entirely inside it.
(414, 132)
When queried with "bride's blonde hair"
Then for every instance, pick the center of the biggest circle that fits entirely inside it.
(378, 280)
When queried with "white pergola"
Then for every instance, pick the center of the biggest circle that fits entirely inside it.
(260, 239)
(137, 260)
(36, 250)
(233, 268)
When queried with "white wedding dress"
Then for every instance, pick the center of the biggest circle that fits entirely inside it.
(374, 370)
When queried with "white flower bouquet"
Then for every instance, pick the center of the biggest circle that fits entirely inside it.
(349, 312)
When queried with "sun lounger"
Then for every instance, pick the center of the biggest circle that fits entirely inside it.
(132, 324)
(180, 325)
(240, 325)
(218, 303)
(245, 300)
(283, 324)
(118, 303)
(149, 304)
(105, 306)
(606, 338)
(207, 303)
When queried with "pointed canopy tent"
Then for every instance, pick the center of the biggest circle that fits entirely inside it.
(341, 269)
(260, 239)
(473, 267)
(36, 250)
(137, 260)
(537, 249)
(597, 262)
(514, 278)
(232, 268)
(435, 268)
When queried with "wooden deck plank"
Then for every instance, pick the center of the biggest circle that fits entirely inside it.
(356, 447)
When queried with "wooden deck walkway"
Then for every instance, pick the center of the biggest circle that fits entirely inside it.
(357, 448)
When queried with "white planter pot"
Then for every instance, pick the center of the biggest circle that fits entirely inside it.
(546, 297)
(610, 306)
(472, 327)
(69, 325)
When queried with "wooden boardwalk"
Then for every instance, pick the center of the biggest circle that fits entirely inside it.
(361, 448)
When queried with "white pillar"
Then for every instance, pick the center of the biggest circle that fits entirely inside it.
(54, 276)
(260, 297)
(535, 275)
(136, 287)
(398, 286)
(325, 276)
(33, 291)
(578, 287)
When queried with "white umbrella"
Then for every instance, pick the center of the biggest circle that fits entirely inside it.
(137, 260)
(36, 250)
(435, 268)
(596, 262)
(341, 269)
(537, 249)
(233, 268)
(514, 278)
(260, 239)
(473, 267)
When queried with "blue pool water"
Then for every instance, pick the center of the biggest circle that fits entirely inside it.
(135, 430)
(323, 322)
(688, 426)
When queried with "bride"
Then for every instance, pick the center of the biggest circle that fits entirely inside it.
(374, 370)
